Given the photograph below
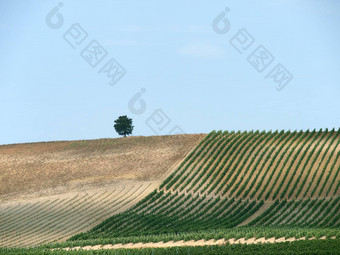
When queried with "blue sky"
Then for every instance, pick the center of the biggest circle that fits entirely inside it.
(193, 78)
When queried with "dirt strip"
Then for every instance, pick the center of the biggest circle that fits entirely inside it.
(190, 243)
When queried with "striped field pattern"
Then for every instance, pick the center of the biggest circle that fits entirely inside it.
(58, 217)
(230, 180)
(236, 179)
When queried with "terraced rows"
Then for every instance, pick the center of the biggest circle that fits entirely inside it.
(232, 179)
(262, 165)
(59, 217)
(303, 213)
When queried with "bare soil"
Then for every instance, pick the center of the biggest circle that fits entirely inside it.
(47, 168)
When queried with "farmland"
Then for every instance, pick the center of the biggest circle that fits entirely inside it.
(54, 218)
(51, 191)
(250, 185)
(299, 247)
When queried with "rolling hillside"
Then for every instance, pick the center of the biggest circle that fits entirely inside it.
(233, 179)
(49, 168)
(221, 185)
(51, 191)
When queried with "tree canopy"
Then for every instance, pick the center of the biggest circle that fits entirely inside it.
(123, 125)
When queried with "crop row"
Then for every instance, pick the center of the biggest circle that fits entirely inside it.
(265, 165)
(308, 213)
(218, 233)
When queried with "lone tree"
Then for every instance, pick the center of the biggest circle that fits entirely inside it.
(123, 125)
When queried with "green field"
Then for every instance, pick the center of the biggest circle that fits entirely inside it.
(311, 247)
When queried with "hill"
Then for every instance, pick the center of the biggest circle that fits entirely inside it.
(233, 179)
(27, 169)
(53, 190)
(230, 185)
